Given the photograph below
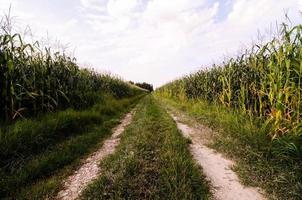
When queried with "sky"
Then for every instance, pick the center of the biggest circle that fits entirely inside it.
(154, 41)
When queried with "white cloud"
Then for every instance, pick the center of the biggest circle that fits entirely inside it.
(250, 16)
(4, 5)
(94, 4)
(118, 8)
(158, 40)
(171, 38)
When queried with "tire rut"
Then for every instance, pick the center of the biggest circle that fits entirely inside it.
(90, 170)
(225, 182)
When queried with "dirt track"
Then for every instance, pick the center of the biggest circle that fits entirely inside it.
(225, 182)
(90, 169)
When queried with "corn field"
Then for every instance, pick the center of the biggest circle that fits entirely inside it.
(34, 80)
(263, 82)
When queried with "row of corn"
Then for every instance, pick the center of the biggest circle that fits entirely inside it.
(35, 80)
(264, 82)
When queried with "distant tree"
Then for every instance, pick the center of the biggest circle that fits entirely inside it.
(145, 85)
(131, 82)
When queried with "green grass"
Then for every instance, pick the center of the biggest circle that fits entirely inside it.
(34, 152)
(269, 164)
(151, 162)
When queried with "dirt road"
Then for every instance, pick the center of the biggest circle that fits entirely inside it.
(90, 170)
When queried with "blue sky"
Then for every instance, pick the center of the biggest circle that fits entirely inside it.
(151, 40)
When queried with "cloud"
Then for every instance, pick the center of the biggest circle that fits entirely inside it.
(4, 5)
(247, 17)
(157, 40)
(162, 40)
(94, 4)
(118, 8)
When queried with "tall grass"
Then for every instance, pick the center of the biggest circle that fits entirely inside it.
(33, 150)
(35, 79)
(263, 82)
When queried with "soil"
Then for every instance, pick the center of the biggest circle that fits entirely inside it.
(90, 169)
(225, 182)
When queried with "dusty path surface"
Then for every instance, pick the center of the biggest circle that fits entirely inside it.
(90, 170)
(225, 182)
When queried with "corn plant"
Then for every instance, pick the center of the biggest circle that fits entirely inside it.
(35, 80)
(264, 82)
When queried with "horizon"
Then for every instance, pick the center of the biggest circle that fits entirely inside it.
(150, 40)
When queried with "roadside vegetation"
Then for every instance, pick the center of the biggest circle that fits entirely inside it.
(35, 149)
(151, 162)
(254, 102)
(52, 113)
(35, 80)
